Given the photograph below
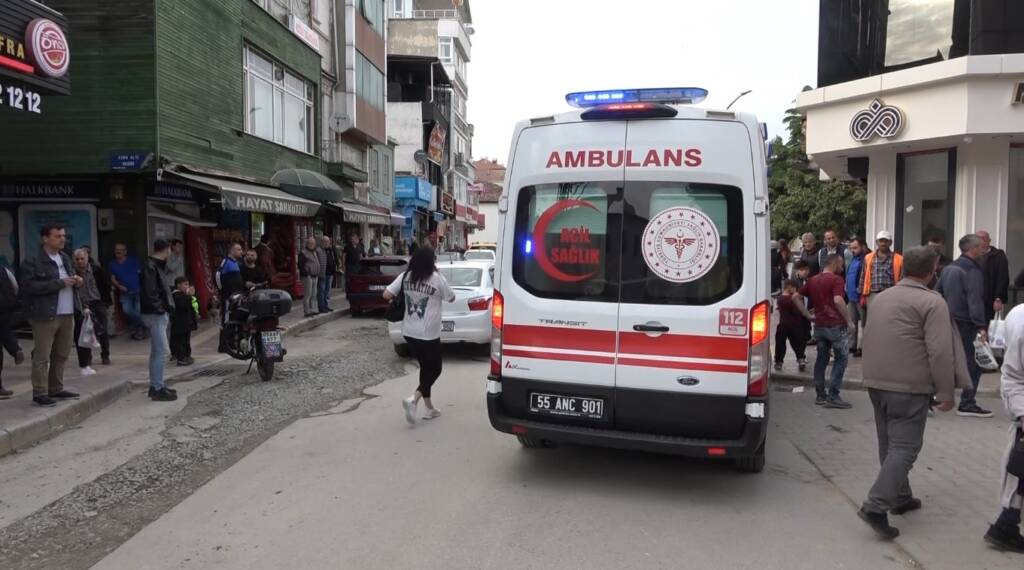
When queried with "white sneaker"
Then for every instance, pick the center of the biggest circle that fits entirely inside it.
(431, 413)
(88, 371)
(409, 405)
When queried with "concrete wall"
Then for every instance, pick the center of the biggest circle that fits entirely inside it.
(491, 221)
(405, 126)
(412, 37)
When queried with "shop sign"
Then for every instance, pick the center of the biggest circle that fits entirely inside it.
(34, 55)
(878, 120)
(167, 191)
(413, 188)
(28, 191)
(448, 203)
(435, 150)
(304, 32)
(267, 205)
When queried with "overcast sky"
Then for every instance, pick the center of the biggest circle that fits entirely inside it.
(528, 54)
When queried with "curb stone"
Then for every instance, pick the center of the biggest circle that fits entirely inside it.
(51, 421)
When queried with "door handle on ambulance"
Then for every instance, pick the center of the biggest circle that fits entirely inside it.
(651, 328)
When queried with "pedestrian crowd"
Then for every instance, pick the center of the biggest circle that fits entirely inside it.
(922, 324)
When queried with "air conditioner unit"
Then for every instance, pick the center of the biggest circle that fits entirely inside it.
(1018, 94)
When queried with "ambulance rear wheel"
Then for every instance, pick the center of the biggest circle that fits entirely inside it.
(752, 464)
(532, 443)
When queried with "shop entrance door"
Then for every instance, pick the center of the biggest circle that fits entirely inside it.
(925, 195)
(1015, 222)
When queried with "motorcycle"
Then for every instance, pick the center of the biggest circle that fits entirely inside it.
(251, 331)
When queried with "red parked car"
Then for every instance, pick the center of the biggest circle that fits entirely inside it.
(365, 288)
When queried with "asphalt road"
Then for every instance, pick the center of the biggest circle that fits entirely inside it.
(355, 487)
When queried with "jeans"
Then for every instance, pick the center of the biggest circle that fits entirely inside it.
(157, 325)
(130, 308)
(309, 294)
(830, 339)
(899, 421)
(968, 333)
(324, 292)
(859, 317)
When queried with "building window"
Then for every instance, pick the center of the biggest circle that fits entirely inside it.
(389, 175)
(925, 196)
(444, 49)
(369, 82)
(373, 12)
(279, 103)
(374, 166)
(398, 8)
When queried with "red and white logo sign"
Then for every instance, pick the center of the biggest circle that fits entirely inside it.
(681, 244)
(48, 48)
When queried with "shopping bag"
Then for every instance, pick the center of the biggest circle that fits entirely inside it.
(997, 332)
(87, 336)
(983, 356)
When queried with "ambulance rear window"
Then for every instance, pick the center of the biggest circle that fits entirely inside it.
(567, 239)
(682, 244)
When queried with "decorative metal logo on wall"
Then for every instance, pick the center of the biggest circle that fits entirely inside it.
(877, 120)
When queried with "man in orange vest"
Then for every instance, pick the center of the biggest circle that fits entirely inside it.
(883, 268)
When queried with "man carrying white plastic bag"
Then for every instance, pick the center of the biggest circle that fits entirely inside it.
(1005, 533)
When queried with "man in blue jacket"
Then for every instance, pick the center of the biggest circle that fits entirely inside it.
(854, 269)
(962, 284)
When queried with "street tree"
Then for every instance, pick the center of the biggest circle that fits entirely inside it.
(801, 201)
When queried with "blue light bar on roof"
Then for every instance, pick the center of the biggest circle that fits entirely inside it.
(670, 95)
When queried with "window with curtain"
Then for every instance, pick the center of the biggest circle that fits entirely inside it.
(279, 103)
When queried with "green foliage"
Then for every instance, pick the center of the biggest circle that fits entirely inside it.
(801, 202)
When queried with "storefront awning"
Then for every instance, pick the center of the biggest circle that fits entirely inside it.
(248, 197)
(357, 214)
(309, 185)
(167, 212)
(397, 219)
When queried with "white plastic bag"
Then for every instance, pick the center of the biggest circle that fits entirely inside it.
(984, 357)
(87, 336)
(997, 332)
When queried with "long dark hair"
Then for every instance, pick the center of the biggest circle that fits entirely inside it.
(421, 266)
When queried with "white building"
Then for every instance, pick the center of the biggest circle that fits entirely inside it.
(932, 118)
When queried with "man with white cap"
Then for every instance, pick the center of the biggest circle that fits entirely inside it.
(883, 268)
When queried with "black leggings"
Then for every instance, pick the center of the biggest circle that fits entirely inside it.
(428, 354)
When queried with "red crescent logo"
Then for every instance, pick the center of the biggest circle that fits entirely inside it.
(541, 229)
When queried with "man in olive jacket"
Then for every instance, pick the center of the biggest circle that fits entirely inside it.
(913, 328)
(49, 287)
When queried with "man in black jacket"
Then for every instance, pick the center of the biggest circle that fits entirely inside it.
(997, 276)
(155, 302)
(50, 289)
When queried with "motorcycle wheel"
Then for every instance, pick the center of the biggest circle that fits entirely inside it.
(266, 369)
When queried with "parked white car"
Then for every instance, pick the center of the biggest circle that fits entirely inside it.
(468, 319)
(481, 255)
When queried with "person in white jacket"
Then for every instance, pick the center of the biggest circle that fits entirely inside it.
(1005, 533)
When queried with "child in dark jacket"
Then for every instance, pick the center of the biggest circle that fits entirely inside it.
(793, 319)
(183, 322)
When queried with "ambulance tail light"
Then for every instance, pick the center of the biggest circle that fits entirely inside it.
(497, 324)
(759, 361)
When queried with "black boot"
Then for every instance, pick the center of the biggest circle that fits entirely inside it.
(880, 523)
(1006, 538)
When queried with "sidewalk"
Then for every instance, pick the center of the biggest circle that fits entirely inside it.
(957, 474)
(23, 424)
(854, 377)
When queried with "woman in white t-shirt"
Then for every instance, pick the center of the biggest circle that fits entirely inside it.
(424, 289)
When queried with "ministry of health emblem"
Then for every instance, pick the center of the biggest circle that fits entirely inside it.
(681, 244)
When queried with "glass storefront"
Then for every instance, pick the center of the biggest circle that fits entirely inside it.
(925, 198)
(1014, 219)
(861, 38)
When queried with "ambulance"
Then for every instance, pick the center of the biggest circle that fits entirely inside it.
(632, 283)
